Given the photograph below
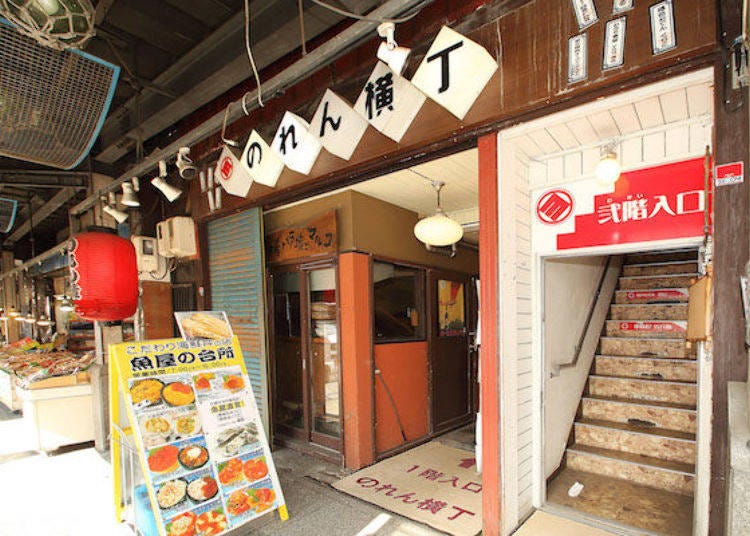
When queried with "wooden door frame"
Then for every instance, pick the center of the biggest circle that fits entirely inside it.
(303, 269)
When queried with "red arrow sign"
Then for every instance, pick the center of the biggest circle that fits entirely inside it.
(467, 463)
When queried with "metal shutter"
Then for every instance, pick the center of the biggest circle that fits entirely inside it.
(236, 268)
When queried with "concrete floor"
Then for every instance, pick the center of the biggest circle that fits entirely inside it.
(69, 493)
(623, 502)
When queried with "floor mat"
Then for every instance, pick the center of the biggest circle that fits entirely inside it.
(544, 524)
(433, 484)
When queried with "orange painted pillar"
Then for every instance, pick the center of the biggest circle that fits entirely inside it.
(488, 352)
(356, 359)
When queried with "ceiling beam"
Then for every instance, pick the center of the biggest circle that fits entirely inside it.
(41, 214)
(300, 70)
(102, 8)
(234, 72)
(43, 179)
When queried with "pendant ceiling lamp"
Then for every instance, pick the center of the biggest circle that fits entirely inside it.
(438, 230)
(58, 24)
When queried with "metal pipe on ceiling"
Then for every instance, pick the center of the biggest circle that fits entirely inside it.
(303, 68)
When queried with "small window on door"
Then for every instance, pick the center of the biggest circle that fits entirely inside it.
(398, 303)
(451, 311)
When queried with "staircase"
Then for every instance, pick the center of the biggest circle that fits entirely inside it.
(637, 418)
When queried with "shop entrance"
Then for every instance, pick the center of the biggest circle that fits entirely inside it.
(452, 371)
(305, 347)
(381, 329)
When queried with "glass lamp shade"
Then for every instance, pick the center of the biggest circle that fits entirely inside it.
(438, 230)
(608, 170)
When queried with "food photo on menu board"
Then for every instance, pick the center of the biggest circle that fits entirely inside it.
(203, 324)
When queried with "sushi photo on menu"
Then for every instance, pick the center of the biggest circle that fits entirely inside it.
(206, 520)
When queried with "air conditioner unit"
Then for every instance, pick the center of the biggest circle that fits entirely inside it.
(176, 237)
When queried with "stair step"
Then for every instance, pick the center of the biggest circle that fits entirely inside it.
(662, 256)
(657, 281)
(661, 268)
(666, 475)
(644, 390)
(675, 348)
(654, 368)
(656, 295)
(647, 329)
(675, 311)
(646, 441)
(658, 414)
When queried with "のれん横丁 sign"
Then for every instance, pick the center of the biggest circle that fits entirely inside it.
(649, 205)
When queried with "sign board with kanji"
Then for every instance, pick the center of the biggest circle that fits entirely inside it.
(231, 175)
(338, 127)
(656, 204)
(727, 174)
(454, 71)
(389, 102)
(298, 147)
(262, 163)
(197, 433)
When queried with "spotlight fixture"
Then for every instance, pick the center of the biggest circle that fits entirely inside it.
(608, 169)
(129, 199)
(59, 24)
(118, 215)
(389, 52)
(169, 191)
(67, 305)
(185, 166)
(438, 230)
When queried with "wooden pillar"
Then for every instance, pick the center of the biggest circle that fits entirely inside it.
(356, 359)
(731, 217)
(488, 351)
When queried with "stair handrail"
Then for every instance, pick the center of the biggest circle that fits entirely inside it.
(557, 369)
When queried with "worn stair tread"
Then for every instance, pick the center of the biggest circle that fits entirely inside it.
(642, 339)
(660, 276)
(653, 403)
(632, 428)
(645, 380)
(637, 459)
(675, 360)
(660, 263)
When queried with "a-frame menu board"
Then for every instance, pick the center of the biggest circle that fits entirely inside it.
(200, 441)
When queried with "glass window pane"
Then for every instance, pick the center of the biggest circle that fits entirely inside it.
(398, 312)
(288, 350)
(324, 350)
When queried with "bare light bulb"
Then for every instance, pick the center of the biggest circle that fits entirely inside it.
(608, 169)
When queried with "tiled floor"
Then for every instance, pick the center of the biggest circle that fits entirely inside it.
(669, 514)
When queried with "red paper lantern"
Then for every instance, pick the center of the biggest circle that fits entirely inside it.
(105, 276)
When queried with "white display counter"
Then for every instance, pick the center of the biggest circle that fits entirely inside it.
(8, 394)
(58, 416)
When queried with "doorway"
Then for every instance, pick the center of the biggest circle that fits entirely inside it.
(307, 405)
(621, 390)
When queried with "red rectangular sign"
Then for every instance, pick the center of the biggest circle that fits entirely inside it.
(726, 174)
(671, 294)
(662, 327)
(659, 203)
